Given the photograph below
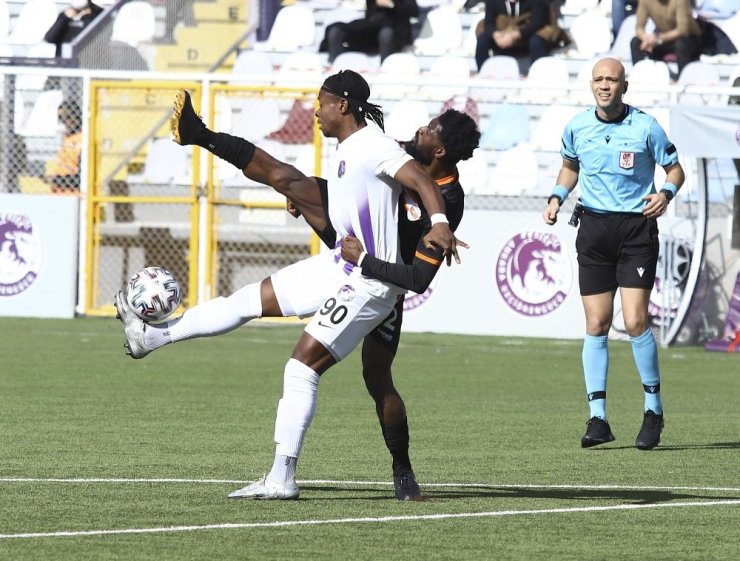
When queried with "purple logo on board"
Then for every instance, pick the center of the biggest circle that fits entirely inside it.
(20, 253)
(534, 273)
(414, 300)
(342, 169)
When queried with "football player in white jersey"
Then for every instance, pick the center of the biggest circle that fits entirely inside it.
(347, 305)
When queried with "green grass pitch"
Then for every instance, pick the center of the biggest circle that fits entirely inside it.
(103, 457)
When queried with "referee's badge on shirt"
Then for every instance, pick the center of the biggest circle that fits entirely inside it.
(626, 160)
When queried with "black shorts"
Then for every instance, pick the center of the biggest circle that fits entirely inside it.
(388, 332)
(616, 250)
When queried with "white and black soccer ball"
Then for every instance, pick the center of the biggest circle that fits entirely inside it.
(153, 294)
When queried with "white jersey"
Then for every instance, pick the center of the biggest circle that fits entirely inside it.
(363, 196)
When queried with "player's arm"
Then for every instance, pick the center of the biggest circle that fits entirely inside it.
(415, 277)
(566, 182)
(417, 180)
(327, 234)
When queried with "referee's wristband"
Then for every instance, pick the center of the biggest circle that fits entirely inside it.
(671, 188)
(438, 217)
(560, 192)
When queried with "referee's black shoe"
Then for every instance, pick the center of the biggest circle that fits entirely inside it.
(406, 487)
(598, 432)
(649, 435)
(185, 123)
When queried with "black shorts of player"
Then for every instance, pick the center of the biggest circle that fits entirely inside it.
(616, 250)
(388, 332)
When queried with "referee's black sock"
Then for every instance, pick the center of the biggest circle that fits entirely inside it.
(397, 441)
(233, 149)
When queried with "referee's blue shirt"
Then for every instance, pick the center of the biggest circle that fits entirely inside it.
(617, 159)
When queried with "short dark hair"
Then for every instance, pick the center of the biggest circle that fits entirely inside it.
(349, 85)
(460, 135)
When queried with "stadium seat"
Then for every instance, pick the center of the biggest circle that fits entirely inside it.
(166, 163)
(43, 118)
(699, 73)
(464, 104)
(441, 33)
(577, 7)
(32, 23)
(543, 73)
(498, 67)
(252, 63)
(301, 68)
(621, 47)
(352, 60)
(450, 70)
(548, 132)
(591, 33)
(36, 81)
(294, 28)
(508, 126)
(393, 71)
(648, 83)
(134, 23)
(515, 173)
(405, 117)
(474, 172)
(254, 118)
(4, 21)
(583, 95)
(731, 79)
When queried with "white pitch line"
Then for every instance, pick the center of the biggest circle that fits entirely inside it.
(365, 520)
(595, 487)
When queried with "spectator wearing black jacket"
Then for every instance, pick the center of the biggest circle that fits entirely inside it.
(71, 22)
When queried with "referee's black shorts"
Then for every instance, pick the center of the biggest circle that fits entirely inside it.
(616, 250)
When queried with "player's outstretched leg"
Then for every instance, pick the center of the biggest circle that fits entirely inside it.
(185, 124)
(133, 327)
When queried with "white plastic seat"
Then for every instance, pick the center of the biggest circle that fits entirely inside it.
(592, 34)
(543, 73)
(734, 75)
(352, 60)
(392, 74)
(576, 7)
(448, 69)
(441, 33)
(32, 23)
(473, 172)
(405, 117)
(36, 81)
(497, 67)
(294, 28)
(515, 173)
(548, 132)
(134, 23)
(652, 77)
(301, 68)
(582, 95)
(252, 63)
(621, 47)
(699, 73)
(254, 118)
(167, 162)
(508, 125)
(4, 21)
(43, 118)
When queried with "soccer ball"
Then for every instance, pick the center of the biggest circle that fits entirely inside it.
(153, 294)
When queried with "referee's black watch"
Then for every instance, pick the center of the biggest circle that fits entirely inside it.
(551, 197)
(668, 194)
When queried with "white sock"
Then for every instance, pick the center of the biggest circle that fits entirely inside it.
(214, 317)
(283, 469)
(295, 413)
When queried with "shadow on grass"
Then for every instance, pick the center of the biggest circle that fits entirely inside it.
(636, 496)
(672, 447)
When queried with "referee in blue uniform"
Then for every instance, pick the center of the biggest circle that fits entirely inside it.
(611, 151)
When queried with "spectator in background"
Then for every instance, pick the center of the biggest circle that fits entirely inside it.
(385, 29)
(520, 28)
(63, 172)
(676, 32)
(71, 22)
(620, 10)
